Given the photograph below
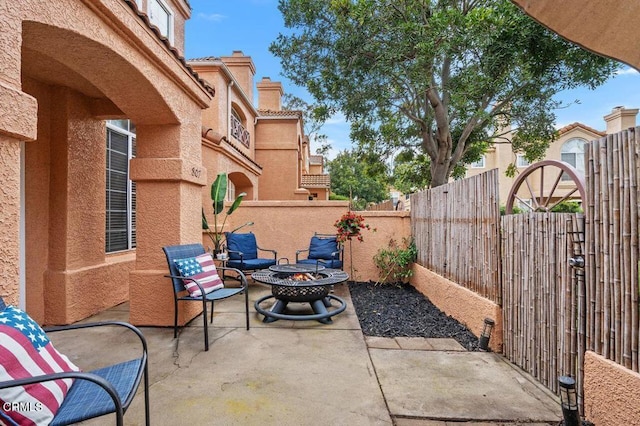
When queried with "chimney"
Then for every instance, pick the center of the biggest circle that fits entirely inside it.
(620, 119)
(243, 70)
(269, 94)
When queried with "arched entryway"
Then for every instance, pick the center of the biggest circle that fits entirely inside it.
(96, 64)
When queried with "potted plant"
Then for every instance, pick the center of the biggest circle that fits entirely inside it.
(218, 195)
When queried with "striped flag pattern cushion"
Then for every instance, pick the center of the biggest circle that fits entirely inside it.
(25, 351)
(202, 269)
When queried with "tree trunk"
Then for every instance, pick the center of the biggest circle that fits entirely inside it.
(439, 173)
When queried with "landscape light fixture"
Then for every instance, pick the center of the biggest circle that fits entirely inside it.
(569, 401)
(483, 342)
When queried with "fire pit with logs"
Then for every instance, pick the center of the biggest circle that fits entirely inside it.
(300, 283)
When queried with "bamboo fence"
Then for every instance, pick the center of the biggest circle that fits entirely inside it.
(456, 228)
(540, 295)
(552, 313)
(612, 247)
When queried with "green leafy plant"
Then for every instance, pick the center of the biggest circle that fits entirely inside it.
(515, 210)
(394, 262)
(218, 195)
(567, 207)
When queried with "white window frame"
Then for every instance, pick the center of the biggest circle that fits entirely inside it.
(116, 126)
(156, 20)
(569, 154)
(521, 161)
(480, 164)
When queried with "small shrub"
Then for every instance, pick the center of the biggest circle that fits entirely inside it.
(515, 210)
(394, 262)
(567, 207)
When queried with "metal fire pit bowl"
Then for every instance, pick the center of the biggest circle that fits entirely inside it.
(285, 289)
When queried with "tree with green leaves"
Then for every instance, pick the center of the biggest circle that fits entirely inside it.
(353, 176)
(436, 77)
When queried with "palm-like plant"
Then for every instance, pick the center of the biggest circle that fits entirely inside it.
(218, 195)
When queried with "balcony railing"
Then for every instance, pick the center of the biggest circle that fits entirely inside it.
(239, 132)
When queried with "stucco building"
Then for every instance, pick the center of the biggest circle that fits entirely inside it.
(568, 147)
(109, 140)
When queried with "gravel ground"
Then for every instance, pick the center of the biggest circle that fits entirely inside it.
(402, 311)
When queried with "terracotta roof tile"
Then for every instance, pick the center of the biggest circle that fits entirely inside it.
(205, 59)
(316, 181)
(284, 113)
(572, 126)
(145, 18)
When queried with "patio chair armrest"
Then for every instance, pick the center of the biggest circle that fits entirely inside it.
(239, 253)
(243, 277)
(275, 253)
(301, 251)
(133, 329)
(77, 375)
(187, 278)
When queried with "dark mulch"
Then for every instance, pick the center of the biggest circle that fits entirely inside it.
(401, 311)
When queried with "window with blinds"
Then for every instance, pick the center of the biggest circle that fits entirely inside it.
(120, 230)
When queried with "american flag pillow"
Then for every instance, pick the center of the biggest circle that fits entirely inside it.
(25, 351)
(202, 269)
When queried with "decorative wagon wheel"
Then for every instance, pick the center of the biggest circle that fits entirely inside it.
(539, 201)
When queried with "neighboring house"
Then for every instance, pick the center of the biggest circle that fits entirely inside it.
(264, 150)
(109, 141)
(568, 147)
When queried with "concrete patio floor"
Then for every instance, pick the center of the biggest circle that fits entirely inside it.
(307, 373)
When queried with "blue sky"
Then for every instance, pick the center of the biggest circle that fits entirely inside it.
(218, 27)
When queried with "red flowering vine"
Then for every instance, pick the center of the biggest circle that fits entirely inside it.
(350, 226)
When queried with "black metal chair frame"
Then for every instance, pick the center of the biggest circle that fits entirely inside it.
(339, 253)
(119, 407)
(180, 292)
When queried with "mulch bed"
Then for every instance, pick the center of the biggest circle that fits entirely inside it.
(399, 310)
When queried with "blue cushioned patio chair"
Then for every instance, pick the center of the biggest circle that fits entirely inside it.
(243, 252)
(95, 393)
(323, 250)
(180, 292)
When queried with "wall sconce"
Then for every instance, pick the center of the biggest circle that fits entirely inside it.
(483, 341)
(569, 401)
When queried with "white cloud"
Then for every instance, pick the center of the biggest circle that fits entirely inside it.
(627, 71)
(337, 118)
(215, 17)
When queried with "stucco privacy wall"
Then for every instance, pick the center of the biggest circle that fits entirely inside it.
(464, 305)
(94, 60)
(611, 392)
(287, 226)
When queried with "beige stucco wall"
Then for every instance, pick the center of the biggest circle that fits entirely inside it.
(501, 155)
(287, 226)
(467, 307)
(611, 392)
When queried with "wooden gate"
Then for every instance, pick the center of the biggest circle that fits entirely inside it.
(541, 295)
